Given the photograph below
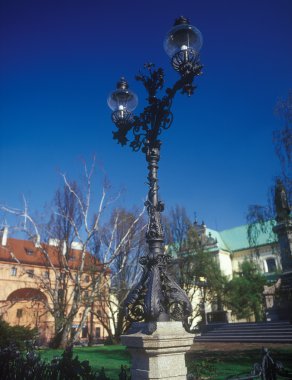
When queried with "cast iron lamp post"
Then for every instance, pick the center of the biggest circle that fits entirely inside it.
(156, 297)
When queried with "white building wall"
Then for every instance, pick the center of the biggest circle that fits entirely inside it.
(260, 255)
(225, 263)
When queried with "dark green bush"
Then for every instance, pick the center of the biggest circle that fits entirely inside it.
(202, 369)
(29, 366)
(71, 368)
(18, 336)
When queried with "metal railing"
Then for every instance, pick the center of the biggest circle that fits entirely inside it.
(267, 369)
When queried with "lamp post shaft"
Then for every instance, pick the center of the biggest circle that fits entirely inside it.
(154, 234)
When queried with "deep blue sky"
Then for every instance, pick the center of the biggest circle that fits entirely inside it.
(60, 59)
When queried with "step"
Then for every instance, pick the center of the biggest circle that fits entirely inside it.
(256, 333)
(264, 330)
(251, 330)
(274, 332)
(248, 335)
(248, 332)
(242, 339)
(287, 328)
(253, 326)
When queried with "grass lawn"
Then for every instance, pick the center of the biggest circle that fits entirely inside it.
(109, 357)
(207, 364)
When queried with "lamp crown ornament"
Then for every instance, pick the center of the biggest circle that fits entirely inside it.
(181, 20)
(122, 84)
(157, 296)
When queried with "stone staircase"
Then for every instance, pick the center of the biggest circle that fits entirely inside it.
(270, 332)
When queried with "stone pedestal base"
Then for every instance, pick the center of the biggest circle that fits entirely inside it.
(279, 299)
(160, 355)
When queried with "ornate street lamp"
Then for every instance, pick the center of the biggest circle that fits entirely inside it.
(156, 297)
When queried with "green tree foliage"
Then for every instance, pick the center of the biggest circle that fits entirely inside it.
(199, 274)
(244, 293)
(196, 267)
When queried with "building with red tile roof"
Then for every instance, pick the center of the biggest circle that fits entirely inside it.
(26, 268)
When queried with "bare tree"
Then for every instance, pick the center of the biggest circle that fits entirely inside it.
(176, 225)
(75, 278)
(125, 270)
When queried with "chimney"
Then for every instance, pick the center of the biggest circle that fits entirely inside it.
(4, 236)
(54, 242)
(77, 245)
(37, 240)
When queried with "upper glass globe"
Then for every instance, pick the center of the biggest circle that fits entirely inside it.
(182, 36)
(122, 99)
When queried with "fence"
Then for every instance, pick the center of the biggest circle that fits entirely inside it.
(267, 369)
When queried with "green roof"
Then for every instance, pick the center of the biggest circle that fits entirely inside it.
(236, 238)
(217, 235)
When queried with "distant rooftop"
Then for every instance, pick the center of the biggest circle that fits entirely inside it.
(236, 239)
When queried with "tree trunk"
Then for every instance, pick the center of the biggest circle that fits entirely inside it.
(62, 334)
(91, 331)
(120, 323)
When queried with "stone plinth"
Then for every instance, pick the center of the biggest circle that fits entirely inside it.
(282, 303)
(284, 233)
(160, 355)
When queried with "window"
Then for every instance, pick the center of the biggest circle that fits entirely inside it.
(19, 313)
(84, 332)
(271, 265)
(46, 274)
(97, 332)
(87, 278)
(73, 331)
(30, 273)
(71, 257)
(13, 271)
(62, 276)
(28, 251)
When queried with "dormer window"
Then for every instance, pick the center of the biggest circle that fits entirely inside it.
(28, 251)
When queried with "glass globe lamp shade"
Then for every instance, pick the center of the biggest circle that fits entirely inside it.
(182, 37)
(122, 99)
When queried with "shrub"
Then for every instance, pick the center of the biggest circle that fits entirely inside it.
(18, 336)
(201, 369)
(29, 366)
(67, 367)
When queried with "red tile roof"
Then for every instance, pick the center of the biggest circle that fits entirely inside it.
(25, 252)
